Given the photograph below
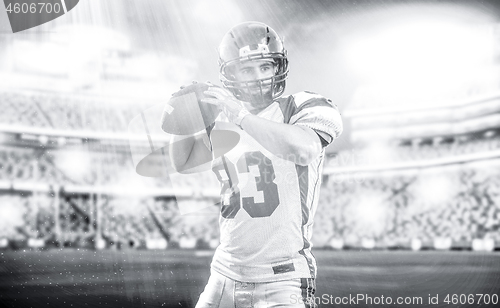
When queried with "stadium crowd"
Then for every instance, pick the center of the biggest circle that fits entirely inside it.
(418, 150)
(461, 203)
(46, 110)
(390, 210)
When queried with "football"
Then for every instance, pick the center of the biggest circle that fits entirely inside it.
(185, 114)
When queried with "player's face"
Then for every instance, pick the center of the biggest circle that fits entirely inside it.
(253, 71)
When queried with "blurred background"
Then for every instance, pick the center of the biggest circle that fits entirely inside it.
(417, 167)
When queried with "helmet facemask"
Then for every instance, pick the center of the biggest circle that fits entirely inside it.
(247, 42)
(257, 90)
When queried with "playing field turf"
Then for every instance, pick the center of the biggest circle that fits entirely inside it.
(175, 278)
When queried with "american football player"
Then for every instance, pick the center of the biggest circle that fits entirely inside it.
(270, 181)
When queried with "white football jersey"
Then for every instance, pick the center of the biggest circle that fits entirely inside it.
(267, 202)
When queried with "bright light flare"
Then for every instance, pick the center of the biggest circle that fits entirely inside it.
(420, 52)
(70, 48)
(435, 189)
(45, 57)
(74, 163)
(11, 215)
(146, 66)
(370, 213)
(85, 37)
(211, 12)
(378, 152)
(129, 205)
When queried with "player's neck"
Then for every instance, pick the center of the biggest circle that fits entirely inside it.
(256, 111)
(257, 108)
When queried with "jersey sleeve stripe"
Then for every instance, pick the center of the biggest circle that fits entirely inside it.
(288, 108)
(324, 137)
(303, 176)
(317, 102)
(323, 120)
(327, 132)
(318, 113)
(306, 95)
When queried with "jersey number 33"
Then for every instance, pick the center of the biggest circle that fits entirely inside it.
(263, 181)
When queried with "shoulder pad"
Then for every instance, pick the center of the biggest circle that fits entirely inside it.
(304, 96)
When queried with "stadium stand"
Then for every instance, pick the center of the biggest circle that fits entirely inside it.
(65, 112)
(462, 204)
(70, 190)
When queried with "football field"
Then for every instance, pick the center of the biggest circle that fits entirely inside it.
(175, 278)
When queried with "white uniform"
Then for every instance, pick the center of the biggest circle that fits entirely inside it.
(267, 202)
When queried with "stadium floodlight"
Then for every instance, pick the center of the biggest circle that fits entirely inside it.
(416, 244)
(435, 187)
(187, 242)
(43, 139)
(337, 243)
(36, 243)
(4, 243)
(477, 244)
(368, 243)
(75, 163)
(487, 244)
(100, 243)
(370, 213)
(11, 216)
(156, 243)
(61, 141)
(442, 243)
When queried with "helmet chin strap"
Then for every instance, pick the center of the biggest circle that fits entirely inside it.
(255, 100)
(259, 102)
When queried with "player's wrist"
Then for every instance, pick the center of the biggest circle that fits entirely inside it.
(241, 115)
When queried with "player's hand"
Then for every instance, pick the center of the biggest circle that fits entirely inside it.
(185, 85)
(233, 108)
(195, 82)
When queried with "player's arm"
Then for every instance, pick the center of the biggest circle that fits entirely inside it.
(295, 143)
(299, 143)
(190, 154)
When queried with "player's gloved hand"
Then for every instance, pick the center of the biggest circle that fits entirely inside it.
(194, 82)
(233, 108)
(185, 85)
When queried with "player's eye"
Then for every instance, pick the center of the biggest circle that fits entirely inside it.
(266, 68)
(246, 71)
